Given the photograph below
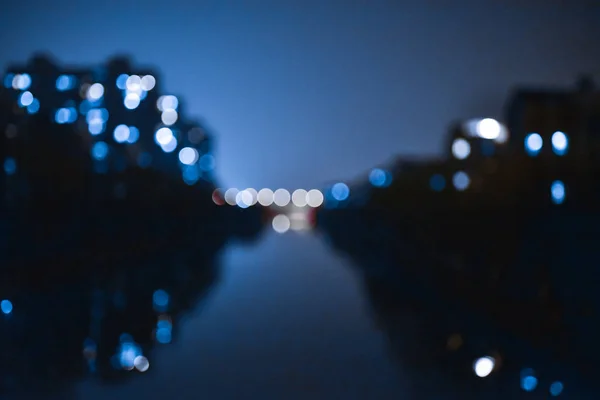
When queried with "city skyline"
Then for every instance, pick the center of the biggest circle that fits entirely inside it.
(298, 97)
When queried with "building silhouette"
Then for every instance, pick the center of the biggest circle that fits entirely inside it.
(120, 112)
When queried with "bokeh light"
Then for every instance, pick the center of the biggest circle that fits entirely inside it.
(557, 192)
(163, 136)
(556, 388)
(188, 156)
(25, 99)
(533, 143)
(21, 81)
(484, 366)
(133, 83)
(122, 81)
(170, 146)
(121, 133)
(99, 151)
(34, 107)
(380, 178)
(461, 149)
(148, 82)
(488, 128)
(95, 92)
(134, 134)
(281, 197)
(6, 306)
(461, 181)
(314, 198)
(131, 101)
(265, 197)
(281, 223)
(169, 117)
(230, 196)
(560, 143)
(10, 166)
(299, 197)
(141, 363)
(340, 191)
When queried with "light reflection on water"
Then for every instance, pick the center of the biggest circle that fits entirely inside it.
(287, 320)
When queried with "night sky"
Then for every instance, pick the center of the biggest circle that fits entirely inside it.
(303, 92)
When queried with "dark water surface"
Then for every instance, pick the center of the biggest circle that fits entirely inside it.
(288, 319)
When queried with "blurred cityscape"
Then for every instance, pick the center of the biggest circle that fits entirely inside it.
(479, 267)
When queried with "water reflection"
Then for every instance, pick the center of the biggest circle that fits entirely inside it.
(104, 323)
(453, 336)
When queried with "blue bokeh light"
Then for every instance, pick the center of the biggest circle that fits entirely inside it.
(340, 191)
(10, 166)
(25, 99)
(533, 144)
(65, 82)
(164, 324)
(437, 182)
(560, 143)
(127, 353)
(100, 151)
(23, 81)
(122, 81)
(134, 134)
(34, 107)
(65, 115)
(557, 192)
(6, 306)
(556, 388)
(191, 174)
(461, 180)
(528, 380)
(8, 80)
(380, 178)
(529, 383)
(160, 298)
(207, 162)
(163, 335)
